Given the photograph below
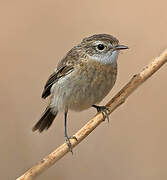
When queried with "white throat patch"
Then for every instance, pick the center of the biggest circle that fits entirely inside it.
(108, 58)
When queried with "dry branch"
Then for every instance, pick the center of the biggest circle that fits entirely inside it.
(120, 98)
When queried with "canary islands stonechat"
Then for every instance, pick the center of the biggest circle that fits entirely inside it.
(81, 80)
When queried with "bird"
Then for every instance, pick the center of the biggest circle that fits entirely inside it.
(82, 79)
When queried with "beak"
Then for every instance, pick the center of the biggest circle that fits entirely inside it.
(120, 47)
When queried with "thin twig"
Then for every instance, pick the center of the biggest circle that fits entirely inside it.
(119, 99)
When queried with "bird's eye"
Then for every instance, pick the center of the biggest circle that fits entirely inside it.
(100, 47)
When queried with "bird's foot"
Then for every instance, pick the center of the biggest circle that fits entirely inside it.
(103, 110)
(67, 139)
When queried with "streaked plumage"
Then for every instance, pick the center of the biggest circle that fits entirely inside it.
(82, 78)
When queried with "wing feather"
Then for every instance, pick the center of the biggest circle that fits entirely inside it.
(64, 70)
(65, 66)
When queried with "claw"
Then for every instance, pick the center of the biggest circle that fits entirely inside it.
(73, 137)
(102, 109)
(67, 139)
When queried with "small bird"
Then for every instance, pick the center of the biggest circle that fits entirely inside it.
(81, 80)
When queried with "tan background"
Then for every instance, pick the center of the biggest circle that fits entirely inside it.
(34, 35)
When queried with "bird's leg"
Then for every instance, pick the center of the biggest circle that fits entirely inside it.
(102, 109)
(67, 139)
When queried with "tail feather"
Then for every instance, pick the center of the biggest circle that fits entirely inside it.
(45, 121)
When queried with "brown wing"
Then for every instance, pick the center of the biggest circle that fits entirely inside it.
(54, 77)
(65, 66)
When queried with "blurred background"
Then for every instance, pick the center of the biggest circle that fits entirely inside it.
(34, 36)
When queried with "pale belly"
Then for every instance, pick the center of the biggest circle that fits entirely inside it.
(80, 90)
